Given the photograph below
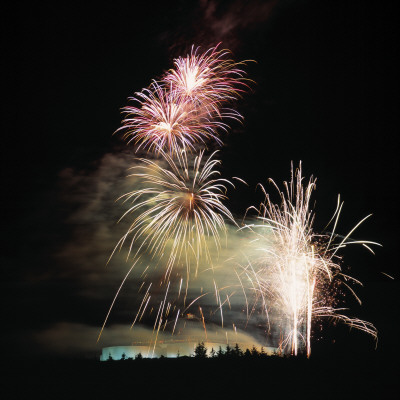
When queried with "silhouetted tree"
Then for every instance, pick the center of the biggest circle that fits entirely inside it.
(237, 352)
(220, 352)
(123, 356)
(254, 352)
(213, 354)
(247, 353)
(228, 351)
(110, 357)
(138, 356)
(200, 351)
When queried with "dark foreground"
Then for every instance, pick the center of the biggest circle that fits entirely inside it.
(333, 377)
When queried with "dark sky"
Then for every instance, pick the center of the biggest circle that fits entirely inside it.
(325, 92)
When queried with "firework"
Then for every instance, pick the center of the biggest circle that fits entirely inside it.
(296, 270)
(166, 120)
(178, 215)
(187, 106)
(209, 80)
(179, 211)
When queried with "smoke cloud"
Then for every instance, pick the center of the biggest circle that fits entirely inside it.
(216, 294)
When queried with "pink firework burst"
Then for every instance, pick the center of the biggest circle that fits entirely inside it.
(165, 120)
(209, 80)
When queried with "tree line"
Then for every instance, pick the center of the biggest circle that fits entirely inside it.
(201, 352)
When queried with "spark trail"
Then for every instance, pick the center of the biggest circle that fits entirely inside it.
(296, 272)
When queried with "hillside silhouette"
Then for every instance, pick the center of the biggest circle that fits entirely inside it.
(229, 372)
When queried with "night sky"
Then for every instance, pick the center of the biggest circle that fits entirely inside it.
(325, 93)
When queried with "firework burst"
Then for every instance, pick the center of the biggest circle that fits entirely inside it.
(187, 106)
(164, 119)
(209, 80)
(180, 209)
(295, 269)
(179, 216)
